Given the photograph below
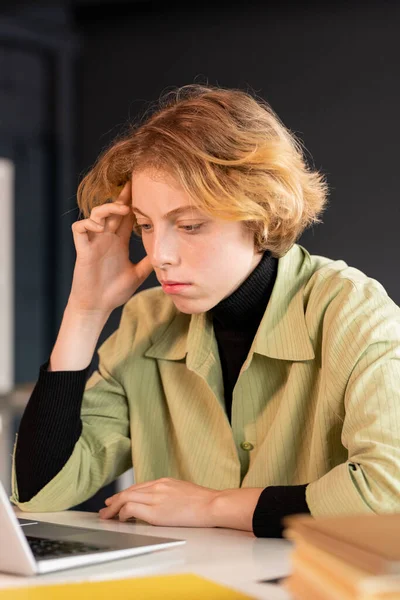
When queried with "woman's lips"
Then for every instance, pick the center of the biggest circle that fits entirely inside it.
(174, 288)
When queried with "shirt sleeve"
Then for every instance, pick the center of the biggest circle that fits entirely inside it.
(362, 346)
(49, 429)
(360, 350)
(276, 502)
(102, 451)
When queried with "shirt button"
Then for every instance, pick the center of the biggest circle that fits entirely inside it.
(246, 446)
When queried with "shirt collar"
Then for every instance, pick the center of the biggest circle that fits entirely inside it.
(283, 332)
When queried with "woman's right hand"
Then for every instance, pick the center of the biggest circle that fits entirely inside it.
(104, 276)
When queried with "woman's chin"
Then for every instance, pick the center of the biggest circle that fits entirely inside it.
(191, 306)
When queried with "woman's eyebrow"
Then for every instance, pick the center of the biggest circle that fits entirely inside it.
(171, 213)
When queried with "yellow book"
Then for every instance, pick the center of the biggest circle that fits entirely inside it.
(167, 587)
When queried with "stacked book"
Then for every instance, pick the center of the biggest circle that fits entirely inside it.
(344, 558)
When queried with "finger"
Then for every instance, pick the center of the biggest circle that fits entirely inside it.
(123, 199)
(105, 210)
(87, 225)
(80, 232)
(124, 228)
(110, 215)
(125, 196)
(137, 511)
(137, 486)
(114, 508)
(132, 488)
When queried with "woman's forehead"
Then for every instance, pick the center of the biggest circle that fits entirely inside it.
(162, 192)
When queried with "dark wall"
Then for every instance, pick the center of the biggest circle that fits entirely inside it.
(37, 84)
(329, 71)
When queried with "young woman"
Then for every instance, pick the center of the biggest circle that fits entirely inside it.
(257, 381)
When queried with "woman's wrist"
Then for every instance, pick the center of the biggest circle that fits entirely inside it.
(77, 339)
(75, 311)
(234, 508)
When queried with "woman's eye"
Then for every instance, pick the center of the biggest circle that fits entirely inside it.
(186, 228)
(191, 228)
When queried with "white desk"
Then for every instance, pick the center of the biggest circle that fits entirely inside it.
(233, 558)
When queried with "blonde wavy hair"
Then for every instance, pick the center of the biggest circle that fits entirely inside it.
(230, 152)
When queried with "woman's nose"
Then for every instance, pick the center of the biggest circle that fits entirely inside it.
(164, 251)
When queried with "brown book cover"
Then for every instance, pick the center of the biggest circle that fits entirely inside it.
(302, 589)
(306, 579)
(332, 572)
(369, 542)
(337, 577)
(309, 583)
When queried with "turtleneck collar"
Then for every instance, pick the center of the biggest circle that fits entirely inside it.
(246, 305)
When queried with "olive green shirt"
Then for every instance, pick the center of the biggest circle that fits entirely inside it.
(317, 399)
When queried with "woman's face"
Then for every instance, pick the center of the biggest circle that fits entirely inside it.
(210, 256)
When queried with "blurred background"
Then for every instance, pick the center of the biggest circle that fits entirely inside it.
(72, 74)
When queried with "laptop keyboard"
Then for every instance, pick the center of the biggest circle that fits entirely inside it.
(47, 548)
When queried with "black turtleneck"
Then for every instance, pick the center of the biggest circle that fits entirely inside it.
(236, 320)
(51, 424)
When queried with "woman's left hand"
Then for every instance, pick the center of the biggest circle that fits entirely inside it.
(165, 502)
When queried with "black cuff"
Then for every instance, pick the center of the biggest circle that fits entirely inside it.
(276, 502)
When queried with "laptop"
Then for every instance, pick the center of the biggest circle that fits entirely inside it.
(29, 547)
